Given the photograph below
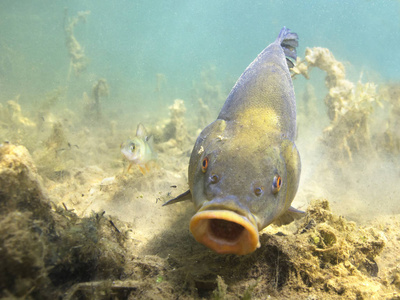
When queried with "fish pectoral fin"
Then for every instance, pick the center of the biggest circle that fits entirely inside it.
(296, 211)
(142, 170)
(182, 197)
(289, 216)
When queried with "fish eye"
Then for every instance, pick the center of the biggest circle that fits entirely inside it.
(214, 178)
(276, 184)
(204, 164)
(132, 147)
(258, 190)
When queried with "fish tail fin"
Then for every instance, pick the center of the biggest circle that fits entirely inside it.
(288, 41)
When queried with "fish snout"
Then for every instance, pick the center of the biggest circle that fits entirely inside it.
(225, 231)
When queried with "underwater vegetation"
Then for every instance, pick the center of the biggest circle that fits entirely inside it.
(392, 133)
(44, 246)
(75, 50)
(349, 106)
(92, 110)
(352, 110)
(48, 252)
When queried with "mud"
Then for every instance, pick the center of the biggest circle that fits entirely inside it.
(48, 251)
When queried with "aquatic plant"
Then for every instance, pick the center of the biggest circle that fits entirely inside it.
(100, 89)
(92, 104)
(203, 114)
(16, 127)
(12, 115)
(176, 128)
(44, 107)
(76, 51)
(161, 81)
(220, 292)
(349, 106)
(208, 93)
(391, 138)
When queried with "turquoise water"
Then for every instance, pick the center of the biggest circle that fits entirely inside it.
(129, 42)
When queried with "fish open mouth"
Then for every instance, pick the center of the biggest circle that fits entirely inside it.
(225, 231)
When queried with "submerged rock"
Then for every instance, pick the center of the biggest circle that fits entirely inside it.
(45, 249)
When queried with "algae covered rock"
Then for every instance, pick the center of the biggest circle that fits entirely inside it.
(20, 187)
(45, 249)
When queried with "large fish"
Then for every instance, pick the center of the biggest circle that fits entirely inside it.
(244, 169)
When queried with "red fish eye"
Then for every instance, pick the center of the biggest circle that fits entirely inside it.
(276, 184)
(204, 165)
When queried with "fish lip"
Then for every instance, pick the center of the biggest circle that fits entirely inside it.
(241, 238)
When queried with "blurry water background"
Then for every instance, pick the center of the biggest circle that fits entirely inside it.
(152, 52)
(129, 42)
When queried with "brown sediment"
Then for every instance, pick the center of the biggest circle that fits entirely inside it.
(48, 251)
(323, 255)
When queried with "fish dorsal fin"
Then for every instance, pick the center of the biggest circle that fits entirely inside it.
(182, 197)
(142, 132)
(289, 41)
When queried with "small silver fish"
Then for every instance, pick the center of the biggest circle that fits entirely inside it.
(139, 150)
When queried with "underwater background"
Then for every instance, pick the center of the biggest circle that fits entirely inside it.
(129, 42)
(76, 79)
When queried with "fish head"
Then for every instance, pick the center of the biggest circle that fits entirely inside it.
(239, 186)
(133, 150)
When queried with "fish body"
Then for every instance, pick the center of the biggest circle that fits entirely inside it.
(244, 169)
(140, 149)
